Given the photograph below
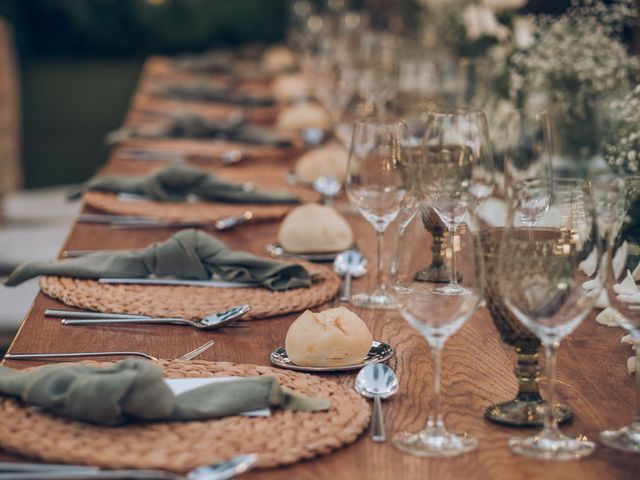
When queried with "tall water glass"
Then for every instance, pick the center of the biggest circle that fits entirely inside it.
(376, 187)
(542, 273)
(458, 172)
(528, 161)
(437, 314)
(624, 296)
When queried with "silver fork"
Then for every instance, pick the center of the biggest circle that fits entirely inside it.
(32, 356)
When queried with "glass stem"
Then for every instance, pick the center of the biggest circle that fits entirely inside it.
(393, 269)
(435, 417)
(636, 419)
(453, 277)
(550, 421)
(380, 272)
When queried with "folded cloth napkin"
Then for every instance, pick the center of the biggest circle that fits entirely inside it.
(135, 390)
(176, 182)
(193, 126)
(190, 254)
(205, 92)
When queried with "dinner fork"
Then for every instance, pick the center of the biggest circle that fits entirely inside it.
(32, 356)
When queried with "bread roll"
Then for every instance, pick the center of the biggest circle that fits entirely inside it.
(331, 338)
(330, 160)
(313, 228)
(277, 59)
(303, 115)
(289, 87)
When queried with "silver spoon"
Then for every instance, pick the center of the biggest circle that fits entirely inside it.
(313, 136)
(328, 186)
(221, 471)
(349, 264)
(210, 322)
(377, 381)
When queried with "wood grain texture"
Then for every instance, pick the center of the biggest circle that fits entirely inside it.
(592, 375)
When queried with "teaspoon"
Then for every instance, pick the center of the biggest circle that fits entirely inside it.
(377, 381)
(349, 264)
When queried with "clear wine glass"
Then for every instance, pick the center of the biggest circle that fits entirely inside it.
(436, 315)
(542, 274)
(528, 161)
(623, 267)
(375, 187)
(458, 172)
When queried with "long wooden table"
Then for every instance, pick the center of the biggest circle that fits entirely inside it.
(478, 371)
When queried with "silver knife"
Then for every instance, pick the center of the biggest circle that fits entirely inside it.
(180, 282)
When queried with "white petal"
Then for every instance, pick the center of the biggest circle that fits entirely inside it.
(592, 284)
(627, 286)
(619, 259)
(608, 317)
(631, 364)
(603, 300)
(589, 265)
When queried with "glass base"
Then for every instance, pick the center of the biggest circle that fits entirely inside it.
(550, 445)
(626, 439)
(378, 300)
(434, 442)
(524, 413)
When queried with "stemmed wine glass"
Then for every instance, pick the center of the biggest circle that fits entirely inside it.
(458, 173)
(621, 286)
(375, 187)
(437, 313)
(528, 162)
(541, 280)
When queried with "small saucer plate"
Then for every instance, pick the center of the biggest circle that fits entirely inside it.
(380, 352)
(276, 250)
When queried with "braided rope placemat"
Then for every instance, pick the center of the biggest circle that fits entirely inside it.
(267, 179)
(283, 438)
(187, 301)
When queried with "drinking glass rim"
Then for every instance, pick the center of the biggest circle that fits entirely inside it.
(380, 121)
(443, 112)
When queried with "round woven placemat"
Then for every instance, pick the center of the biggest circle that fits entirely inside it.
(209, 211)
(283, 438)
(189, 302)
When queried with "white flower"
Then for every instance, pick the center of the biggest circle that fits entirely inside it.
(502, 5)
(523, 32)
(480, 21)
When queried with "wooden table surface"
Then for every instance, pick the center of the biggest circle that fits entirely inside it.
(592, 374)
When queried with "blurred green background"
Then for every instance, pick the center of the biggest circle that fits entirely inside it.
(80, 59)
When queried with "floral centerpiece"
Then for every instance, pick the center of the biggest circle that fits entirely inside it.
(576, 65)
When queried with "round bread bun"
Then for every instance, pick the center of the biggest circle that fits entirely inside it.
(330, 160)
(277, 59)
(332, 338)
(303, 115)
(313, 228)
(288, 87)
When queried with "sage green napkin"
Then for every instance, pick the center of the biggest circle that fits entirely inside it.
(190, 254)
(206, 92)
(176, 182)
(194, 126)
(133, 390)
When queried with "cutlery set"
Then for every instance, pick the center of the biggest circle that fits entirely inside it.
(138, 221)
(228, 158)
(53, 471)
